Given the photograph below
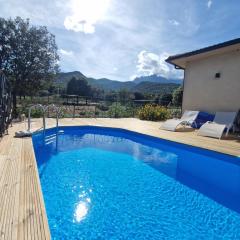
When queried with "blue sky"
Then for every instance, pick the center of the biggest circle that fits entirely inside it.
(122, 39)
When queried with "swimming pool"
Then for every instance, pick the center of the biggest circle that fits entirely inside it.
(106, 183)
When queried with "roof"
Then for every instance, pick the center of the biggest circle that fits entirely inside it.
(180, 60)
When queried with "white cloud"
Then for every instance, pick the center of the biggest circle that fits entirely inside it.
(209, 3)
(85, 14)
(133, 77)
(151, 63)
(65, 52)
(45, 12)
(174, 22)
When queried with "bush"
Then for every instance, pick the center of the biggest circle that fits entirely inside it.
(116, 110)
(166, 99)
(102, 107)
(35, 113)
(175, 112)
(153, 113)
(43, 93)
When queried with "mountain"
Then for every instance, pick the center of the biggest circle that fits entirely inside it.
(64, 78)
(148, 84)
(155, 88)
(156, 79)
(110, 85)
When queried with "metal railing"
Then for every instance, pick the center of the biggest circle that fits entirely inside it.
(44, 109)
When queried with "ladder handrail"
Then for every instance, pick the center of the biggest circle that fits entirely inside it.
(57, 109)
(29, 114)
(44, 109)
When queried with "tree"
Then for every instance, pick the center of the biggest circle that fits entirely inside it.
(123, 95)
(111, 96)
(28, 56)
(97, 93)
(178, 96)
(78, 87)
(138, 96)
(165, 99)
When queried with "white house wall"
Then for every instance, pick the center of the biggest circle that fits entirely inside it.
(202, 91)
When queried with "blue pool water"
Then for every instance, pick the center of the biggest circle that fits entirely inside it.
(101, 183)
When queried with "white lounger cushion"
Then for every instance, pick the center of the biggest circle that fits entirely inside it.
(171, 124)
(212, 129)
(187, 118)
(216, 128)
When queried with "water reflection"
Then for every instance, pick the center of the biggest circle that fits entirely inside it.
(82, 207)
(81, 211)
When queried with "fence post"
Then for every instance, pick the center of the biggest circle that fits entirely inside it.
(73, 111)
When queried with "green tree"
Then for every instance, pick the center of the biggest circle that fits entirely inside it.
(124, 95)
(97, 93)
(111, 96)
(78, 87)
(116, 110)
(178, 96)
(165, 99)
(28, 56)
(138, 96)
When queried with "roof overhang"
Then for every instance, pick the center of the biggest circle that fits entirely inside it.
(180, 61)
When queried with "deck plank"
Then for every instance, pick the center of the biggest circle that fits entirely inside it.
(22, 210)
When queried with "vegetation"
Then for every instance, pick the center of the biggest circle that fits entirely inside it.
(79, 87)
(28, 56)
(153, 113)
(166, 99)
(139, 96)
(35, 113)
(116, 110)
(175, 112)
(178, 96)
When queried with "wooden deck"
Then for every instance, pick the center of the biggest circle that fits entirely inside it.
(22, 211)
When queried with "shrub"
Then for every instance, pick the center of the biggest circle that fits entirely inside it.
(82, 113)
(166, 99)
(35, 113)
(116, 110)
(102, 107)
(153, 113)
(175, 112)
(43, 93)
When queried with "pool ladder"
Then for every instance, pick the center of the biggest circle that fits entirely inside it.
(44, 110)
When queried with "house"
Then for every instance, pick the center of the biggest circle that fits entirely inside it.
(211, 77)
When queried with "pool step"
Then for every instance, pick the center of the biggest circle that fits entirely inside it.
(50, 139)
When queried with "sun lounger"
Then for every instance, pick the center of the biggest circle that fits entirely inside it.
(188, 118)
(222, 121)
